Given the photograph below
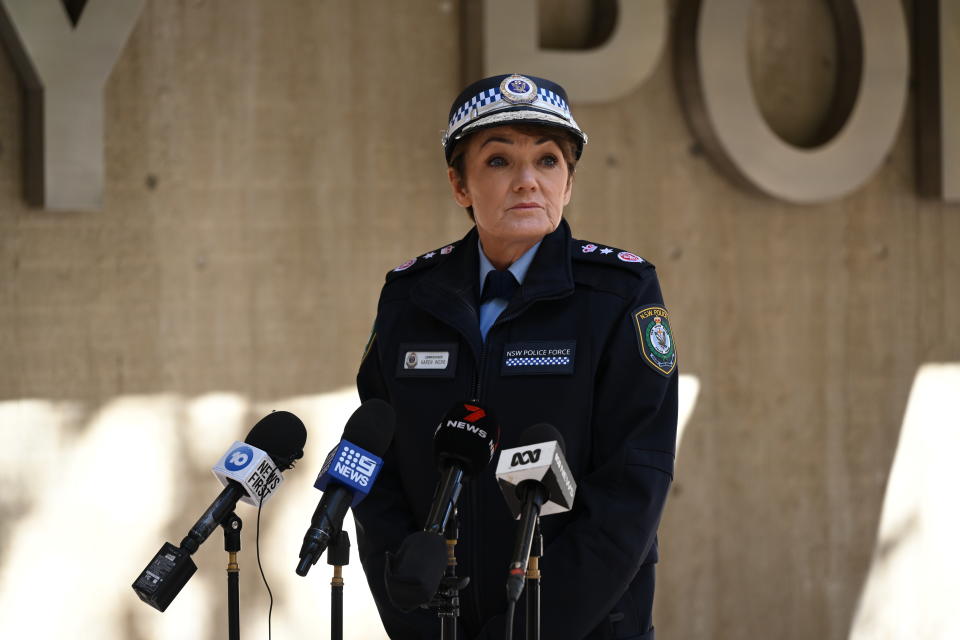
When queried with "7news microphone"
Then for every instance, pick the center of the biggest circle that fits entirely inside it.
(535, 481)
(347, 475)
(250, 471)
(463, 445)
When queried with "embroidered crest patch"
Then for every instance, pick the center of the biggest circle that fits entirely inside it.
(656, 338)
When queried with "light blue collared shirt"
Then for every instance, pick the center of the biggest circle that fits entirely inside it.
(491, 309)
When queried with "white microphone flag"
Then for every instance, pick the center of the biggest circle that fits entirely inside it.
(252, 468)
(543, 463)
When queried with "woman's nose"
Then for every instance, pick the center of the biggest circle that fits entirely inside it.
(525, 177)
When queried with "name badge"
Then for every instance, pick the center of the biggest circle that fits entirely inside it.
(427, 360)
(538, 357)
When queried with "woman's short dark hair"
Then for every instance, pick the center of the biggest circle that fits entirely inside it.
(564, 140)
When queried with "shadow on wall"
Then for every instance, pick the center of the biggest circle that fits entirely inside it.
(913, 586)
(92, 498)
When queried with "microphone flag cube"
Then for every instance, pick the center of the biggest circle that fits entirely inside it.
(543, 463)
(351, 466)
(253, 468)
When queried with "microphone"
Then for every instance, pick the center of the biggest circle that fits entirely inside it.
(250, 471)
(463, 445)
(535, 481)
(347, 475)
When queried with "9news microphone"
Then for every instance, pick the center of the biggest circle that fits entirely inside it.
(463, 445)
(250, 471)
(536, 482)
(347, 475)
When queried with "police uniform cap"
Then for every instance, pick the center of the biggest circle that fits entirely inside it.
(510, 99)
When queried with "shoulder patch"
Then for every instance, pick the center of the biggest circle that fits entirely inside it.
(586, 251)
(421, 262)
(655, 338)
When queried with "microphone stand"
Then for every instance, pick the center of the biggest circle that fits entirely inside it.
(338, 555)
(533, 585)
(231, 544)
(447, 600)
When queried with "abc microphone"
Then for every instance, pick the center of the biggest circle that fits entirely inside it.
(347, 475)
(250, 471)
(463, 445)
(535, 481)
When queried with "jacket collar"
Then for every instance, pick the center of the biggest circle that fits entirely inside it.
(450, 291)
(550, 274)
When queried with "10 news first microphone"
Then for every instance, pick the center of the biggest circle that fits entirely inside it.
(533, 477)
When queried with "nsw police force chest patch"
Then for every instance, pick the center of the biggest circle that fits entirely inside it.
(656, 338)
(538, 357)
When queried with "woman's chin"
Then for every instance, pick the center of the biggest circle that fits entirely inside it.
(525, 226)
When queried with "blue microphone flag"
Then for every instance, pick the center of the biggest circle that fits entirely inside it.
(351, 466)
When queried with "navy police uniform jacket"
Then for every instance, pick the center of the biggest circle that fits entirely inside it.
(584, 345)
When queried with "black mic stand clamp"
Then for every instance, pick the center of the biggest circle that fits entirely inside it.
(338, 555)
(231, 544)
(447, 599)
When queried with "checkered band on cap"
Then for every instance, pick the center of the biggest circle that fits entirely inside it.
(485, 102)
(487, 105)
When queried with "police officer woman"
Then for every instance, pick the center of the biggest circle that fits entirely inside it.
(519, 283)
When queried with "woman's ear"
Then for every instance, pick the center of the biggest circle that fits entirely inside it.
(460, 193)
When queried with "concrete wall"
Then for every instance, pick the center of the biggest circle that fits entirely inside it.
(267, 162)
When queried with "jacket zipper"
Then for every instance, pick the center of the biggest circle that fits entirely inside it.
(478, 375)
(475, 495)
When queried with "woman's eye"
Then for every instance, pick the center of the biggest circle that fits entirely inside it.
(550, 160)
(497, 161)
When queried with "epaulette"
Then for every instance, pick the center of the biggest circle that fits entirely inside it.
(586, 251)
(428, 259)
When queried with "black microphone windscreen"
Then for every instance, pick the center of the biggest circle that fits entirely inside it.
(371, 426)
(467, 435)
(414, 573)
(282, 435)
(541, 432)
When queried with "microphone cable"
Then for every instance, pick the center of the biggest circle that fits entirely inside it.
(263, 576)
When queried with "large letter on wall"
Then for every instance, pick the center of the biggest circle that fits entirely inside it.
(64, 70)
(621, 64)
(938, 98)
(715, 82)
